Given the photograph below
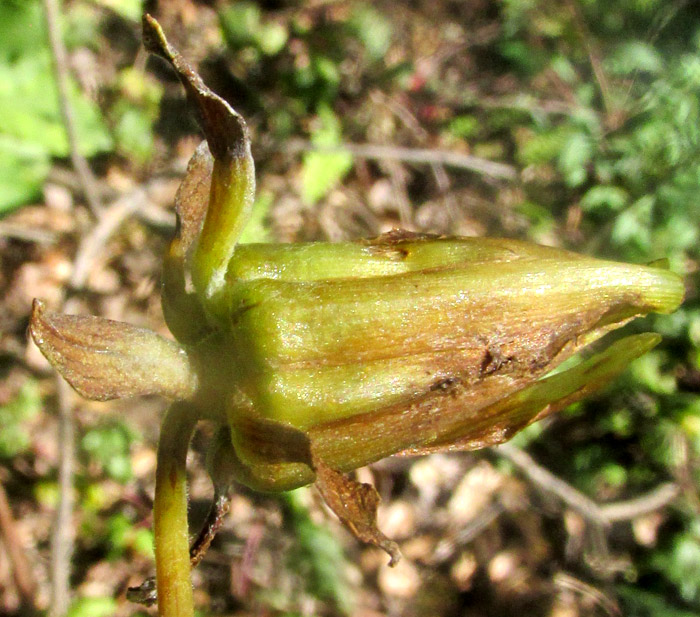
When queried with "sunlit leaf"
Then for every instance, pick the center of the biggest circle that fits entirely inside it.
(322, 171)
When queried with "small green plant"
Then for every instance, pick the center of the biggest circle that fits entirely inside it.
(316, 359)
(93, 607)
(109, 446)
(14, 416)
(31, 127)
(317, 556)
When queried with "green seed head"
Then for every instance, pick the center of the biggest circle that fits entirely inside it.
(320, 358)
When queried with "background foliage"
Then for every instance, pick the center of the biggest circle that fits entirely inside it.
(594, 104)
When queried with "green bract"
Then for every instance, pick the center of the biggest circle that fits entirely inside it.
(316, 359)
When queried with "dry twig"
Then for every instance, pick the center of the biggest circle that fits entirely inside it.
(26, 233)
(21, 572)
(562, 580)
(603, 515)
(594, 55)
(654, 500)
(93, 242)
(62, 540)
(499, 171)
(60, 62)
(62, 536)
(62, 533)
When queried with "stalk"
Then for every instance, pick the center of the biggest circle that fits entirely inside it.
(170, 514)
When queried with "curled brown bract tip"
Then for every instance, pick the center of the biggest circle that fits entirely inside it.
(225, 129)
(355, 504)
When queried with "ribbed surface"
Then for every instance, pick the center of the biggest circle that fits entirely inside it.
(347, 320)
(312, 350)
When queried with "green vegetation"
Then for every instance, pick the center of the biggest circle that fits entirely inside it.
(15, 417)
(31, 127)
(108, 445)
(317, 557)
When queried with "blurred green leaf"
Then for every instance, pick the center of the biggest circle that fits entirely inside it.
(242, 26)
(131, 9)
(648, 372)
(565, 69)
(31, 125)
(682, 563)
(543, 147)
(92, 607)
(240, 22)
(23, 167)
(46, 493)
(110, 445)
(318, 556)
(524, 59)
(256, 229)
(620, 422)
(689, 420)
(464, 126)
(573, 158)
(123, 535)
(81, 27)
(327, 70)
(133, 133)
(135, 113)
(31, 113)
(608, 197)
(372, 28)
(14, 416)
(633, 226)
(94, 498)
(322, 171)
(634, 56)
(272, 38)
(641, 603)
(614, 475)
(22, 28)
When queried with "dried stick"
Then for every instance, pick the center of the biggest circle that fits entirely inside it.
(499, 171)
(62, 534)
(603, 515)
(61, 537)
(594, 55)
(88, 250)
(21, 572)
(26, 233)
(546, 480)
(654, 500)
(93, 242)
(562, 580)
(60, 63)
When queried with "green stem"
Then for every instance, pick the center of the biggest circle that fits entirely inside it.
(170, 514)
